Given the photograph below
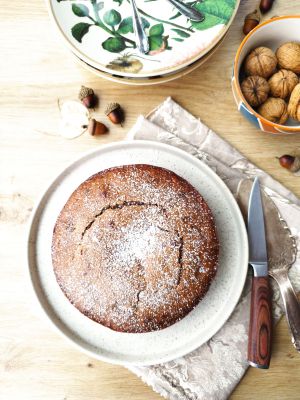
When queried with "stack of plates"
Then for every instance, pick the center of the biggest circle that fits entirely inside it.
(100, 35)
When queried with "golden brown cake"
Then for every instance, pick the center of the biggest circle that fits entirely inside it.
(135, 248)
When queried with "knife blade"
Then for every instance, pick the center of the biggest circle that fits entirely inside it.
(260, 327)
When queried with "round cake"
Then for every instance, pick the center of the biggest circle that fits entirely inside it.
(135, 248)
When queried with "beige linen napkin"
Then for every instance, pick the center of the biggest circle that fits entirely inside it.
(213, 370)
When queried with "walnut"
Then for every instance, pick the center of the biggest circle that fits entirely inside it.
(274, 110)
(282, 83)
(294, 103)
(288, 55)
(255, 90)
(261, 61)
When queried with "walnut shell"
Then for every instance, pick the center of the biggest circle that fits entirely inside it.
(288, 55)
(274, 110)
(255, 90)
(294, 103)
(261, 61)
(282, 83)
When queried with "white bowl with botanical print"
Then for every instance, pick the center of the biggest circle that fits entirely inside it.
(101, 33)
(154, 80)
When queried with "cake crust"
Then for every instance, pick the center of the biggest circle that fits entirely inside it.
(135, 248)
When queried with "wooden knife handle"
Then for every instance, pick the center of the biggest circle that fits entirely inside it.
(260, 328)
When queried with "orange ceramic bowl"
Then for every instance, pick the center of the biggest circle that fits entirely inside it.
(272, 34)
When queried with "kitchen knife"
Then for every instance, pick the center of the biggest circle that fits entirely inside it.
(260, 327)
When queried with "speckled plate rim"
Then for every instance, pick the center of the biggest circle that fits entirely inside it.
(229, 299)
(94, 64)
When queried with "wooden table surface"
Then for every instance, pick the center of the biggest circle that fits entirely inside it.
(36, 71)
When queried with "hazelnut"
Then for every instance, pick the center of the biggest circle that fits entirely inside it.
(251, 21)
(282, 83)
(265, 5)
(96, 128)
(288, 55)
(261, 61)
(294, 103)
(290, 162)
(255, 90)
(274, 109)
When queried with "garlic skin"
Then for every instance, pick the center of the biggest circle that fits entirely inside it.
(260, 61)
(74, 118)
(295, 167)
(282, 83)
(255, 90)
(274, 109)
(294, 103)
(288, 55)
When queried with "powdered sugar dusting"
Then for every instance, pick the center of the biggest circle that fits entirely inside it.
(143, 250)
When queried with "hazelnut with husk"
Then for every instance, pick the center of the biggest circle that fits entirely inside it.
(115, 113)
(255, 89)
(290, 162)
(294, 103)
(274, 109)
(96, 128)
(87, 97)
(251, 21)
(261, 61)
(288, 55)
(282, 83)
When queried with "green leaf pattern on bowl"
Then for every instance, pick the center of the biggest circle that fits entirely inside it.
(164, 34)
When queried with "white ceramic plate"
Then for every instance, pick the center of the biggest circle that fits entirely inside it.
(200, 324)
(101, 33)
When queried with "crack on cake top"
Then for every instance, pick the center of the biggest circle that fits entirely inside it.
(136, 249)
(180, 258)
(116, 206)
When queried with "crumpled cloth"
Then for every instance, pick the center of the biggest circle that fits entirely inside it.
(212, 371)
